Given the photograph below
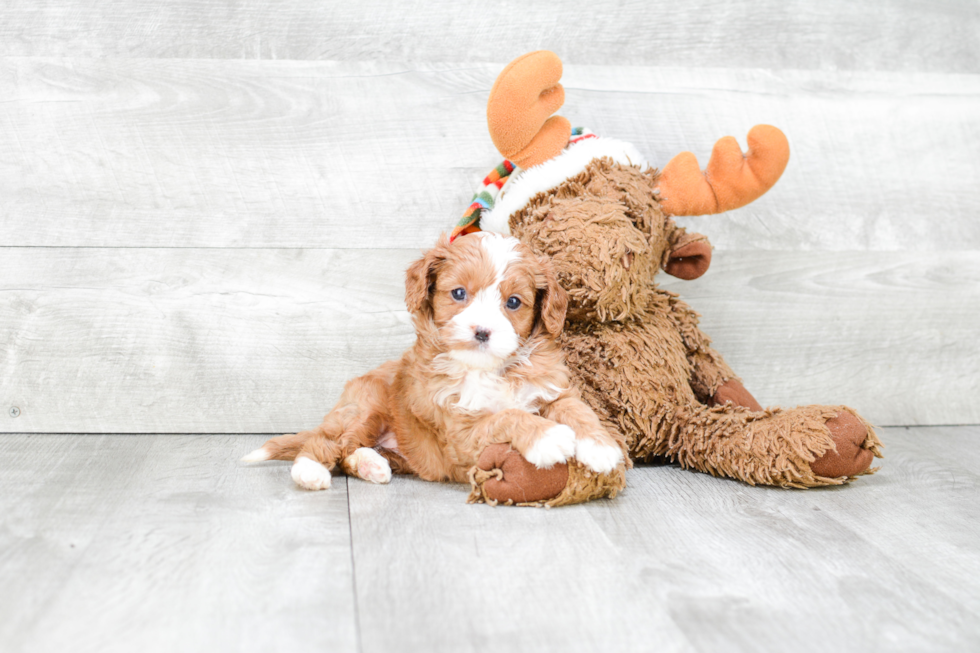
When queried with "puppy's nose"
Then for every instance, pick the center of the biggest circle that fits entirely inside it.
(482, 334)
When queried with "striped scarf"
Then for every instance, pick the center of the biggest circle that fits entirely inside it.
(486, 196)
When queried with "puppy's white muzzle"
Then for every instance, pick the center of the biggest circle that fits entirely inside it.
(484, 326)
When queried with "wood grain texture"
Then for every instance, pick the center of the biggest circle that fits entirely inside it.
(887, 35)
(890, 334)
(683, 562)
(184, 341)
(177, 340)
(149, 543)
(164, 542)
(200, 153)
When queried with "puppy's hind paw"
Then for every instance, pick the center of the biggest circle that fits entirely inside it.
(598, 457)
(369, 465)
(309, 474)
(556, 446)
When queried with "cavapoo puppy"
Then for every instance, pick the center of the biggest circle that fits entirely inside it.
(485, 369)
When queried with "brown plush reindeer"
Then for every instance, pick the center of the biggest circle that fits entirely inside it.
(635, 351)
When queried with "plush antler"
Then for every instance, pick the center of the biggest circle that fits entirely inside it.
(525, 94)
(731, 180)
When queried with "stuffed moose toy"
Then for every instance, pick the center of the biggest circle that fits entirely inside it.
(635, 352)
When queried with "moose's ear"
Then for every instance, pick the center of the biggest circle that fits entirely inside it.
(689, 256)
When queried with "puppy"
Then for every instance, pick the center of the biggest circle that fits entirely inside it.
(485, 369)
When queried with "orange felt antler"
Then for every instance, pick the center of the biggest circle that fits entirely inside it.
(525, 94)
(730, 181)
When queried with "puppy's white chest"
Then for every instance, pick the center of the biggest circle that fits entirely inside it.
(480, 390)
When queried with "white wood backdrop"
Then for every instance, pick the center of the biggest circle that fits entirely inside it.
(205, 210)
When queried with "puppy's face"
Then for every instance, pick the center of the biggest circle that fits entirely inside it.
(487, 295)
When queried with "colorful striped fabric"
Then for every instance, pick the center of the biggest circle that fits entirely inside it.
(484, 198)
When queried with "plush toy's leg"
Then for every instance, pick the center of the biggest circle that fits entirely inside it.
(713, 381)
(801, 447)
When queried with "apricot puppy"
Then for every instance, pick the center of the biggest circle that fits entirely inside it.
(485, 369)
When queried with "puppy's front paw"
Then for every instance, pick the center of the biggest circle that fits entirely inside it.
(598, 457)
(309, 474)
(556, 446)
(369, 465)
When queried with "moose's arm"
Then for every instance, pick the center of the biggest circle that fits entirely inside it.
(712, 380)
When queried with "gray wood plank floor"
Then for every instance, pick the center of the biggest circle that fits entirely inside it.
(163, 542)
(160, 543)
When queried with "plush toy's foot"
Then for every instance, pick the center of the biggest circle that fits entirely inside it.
(518, 481)
(856, 448)
(502, 475)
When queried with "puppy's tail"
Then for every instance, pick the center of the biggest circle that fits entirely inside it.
(283, 447)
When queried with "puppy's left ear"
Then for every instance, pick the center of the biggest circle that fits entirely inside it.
(552, 298)
(420, 278)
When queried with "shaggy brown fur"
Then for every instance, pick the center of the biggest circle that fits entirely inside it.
(637, 354)
(636, 351)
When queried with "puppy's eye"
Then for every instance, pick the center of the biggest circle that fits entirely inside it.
(459, 294)
(514, 303)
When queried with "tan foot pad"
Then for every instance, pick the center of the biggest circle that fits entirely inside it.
(856, 447)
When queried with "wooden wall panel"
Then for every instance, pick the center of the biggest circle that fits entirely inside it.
(205, 209)
(309, 154)
(244, 341)
(907, 35)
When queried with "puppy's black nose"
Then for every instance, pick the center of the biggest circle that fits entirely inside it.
(482, 334)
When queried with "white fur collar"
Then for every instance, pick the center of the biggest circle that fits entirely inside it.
(552, 173)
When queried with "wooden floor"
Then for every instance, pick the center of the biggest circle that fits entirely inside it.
(166, 543)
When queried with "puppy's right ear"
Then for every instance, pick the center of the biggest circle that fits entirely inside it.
(420, 279)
